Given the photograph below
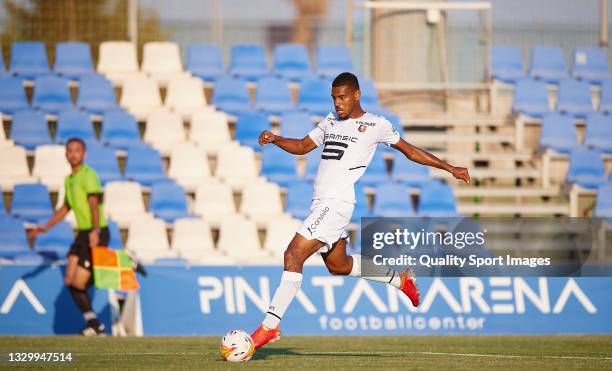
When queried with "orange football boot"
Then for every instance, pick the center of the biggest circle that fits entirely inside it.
(264, 335)
(408, 286)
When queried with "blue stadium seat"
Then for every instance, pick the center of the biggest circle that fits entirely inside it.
(605, 100)
(273, 96)
(558, 133)
(74, 123)
(315, 96)
(437, 199)
(171, 261)
(103, 161)
(278, 166)
(96, 94)
(312, 163)
(591, 65)
(409, 172)
(332, 60)
(56, 242)
(51, 94)
(119, 129)
(376, 172)
(548, 64)
(599, 132)
(12, 95)
(115, 241)
(205, 61)
(586, 168)
(361, 210)
(603, 204)
(168, 202)
(231, 95)
(31, 202)
(29, 59)
(369, 96)
(13, 240)
(507, 64)
(393, 200)
(144, 165)
(29, 258)
(248, 61)
(291, 61)
(73, 60)
(30, 129)
(296, 124)
(248, 128)
(299, 198)
(574, 98)
(530, 98)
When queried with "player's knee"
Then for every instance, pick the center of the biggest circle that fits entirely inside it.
(293, 257)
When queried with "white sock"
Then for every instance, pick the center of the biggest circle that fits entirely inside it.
(89, 315)
(375, 272)
(287, 289)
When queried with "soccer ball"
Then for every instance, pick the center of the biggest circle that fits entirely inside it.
(237, 346)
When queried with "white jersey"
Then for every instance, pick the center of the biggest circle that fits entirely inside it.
(349, 146)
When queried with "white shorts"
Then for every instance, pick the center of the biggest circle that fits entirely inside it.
(327, 221)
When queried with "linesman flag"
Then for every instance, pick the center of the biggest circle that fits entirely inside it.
(112, 269)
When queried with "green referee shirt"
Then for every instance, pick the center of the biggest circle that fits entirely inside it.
(78, 186)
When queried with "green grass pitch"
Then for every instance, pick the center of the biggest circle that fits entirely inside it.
(326, 353)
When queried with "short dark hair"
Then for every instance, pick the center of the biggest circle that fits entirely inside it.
(346, 78)
(77, 140)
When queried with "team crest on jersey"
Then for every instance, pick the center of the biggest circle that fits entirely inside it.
(362, 128)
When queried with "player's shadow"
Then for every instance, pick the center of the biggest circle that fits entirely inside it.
(263, 353)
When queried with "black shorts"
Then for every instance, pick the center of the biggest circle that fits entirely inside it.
(80, 246)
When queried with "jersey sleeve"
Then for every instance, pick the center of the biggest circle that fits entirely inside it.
(91, 183)
(318, 133)
(388, 135)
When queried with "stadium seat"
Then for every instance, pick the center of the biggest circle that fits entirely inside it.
(13, 239)
(140, 95)
(376, 172)
(56, 242)
(605, 100)
(248, 128)
(210, 131)
(332, 60)
(361, 209)
(591, 65)
(51, 94)
(248, 62)
(312, 163)
(278, 166)
(103, 161)
(2, 67)
(231, 95)
(239, 240)
(299, 198)
(148, 239)
(115, 241)
(192, 239)
(214, 201)
(73, 60)
(574, 98)
(13, 167)
(315, 96)
(3, 140)
(188, 166)
(393, 200)
(599, 132)
(119, 129)
(273, 96)
(30, 129)
(51, 166)
(409, 172)
(261, 202)
(74, 123)
(31, 202)
(437, 199)
(123, 202)
(117, 60)
(168, 202)
(507, 64)
(548, 64)
(185, 96)
(29, 59)
(162, 61)
(3, 210)
(28, 258)
(530, 98)
(12, 95)
(558, 133)
(144, 165)
(296, 124)
(165, 131)
(279, 234)
(205, 61)
(236, 166)
(291, 61)
(369, 96)
(603, 203)
(96, 94)
(586, 168)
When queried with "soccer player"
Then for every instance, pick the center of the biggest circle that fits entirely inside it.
(350, 138)
(82, 195)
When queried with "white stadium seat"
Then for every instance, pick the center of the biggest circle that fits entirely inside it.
(238, 238)
(236, 166)
(188, 166)
(162, 61)
(185, 96)
(165, 131)
(261, 202)
(214, 201)
(193, 241)
(210, 131)
(13, 167)
(279, 233)
(140, 95)
(123, 202)
(118, 60)
(51, 166)
(148, 239)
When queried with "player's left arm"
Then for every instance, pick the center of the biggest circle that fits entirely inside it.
(421, 156)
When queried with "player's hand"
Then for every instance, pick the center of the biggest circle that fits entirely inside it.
(94, 238)
(461, 173)
(36, 231)
(266, 137)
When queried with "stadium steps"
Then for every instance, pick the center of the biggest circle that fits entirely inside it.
(506, 192)
(511, 209)
(454, 121)
(484, 173)
(449, 137)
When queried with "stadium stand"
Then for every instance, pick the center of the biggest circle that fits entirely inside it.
(13, 167)
(231, 95)
(119, 129)
(548, 64)
(248, 62)
(574, 98)
(165, 131)
(299, 198)
(507, 64)
(193, 241)
(261, 202)
(273, 96)
(603, 203)
(236, 166)
(29, 129)
(605, 97)
(31, 202)
(117, 60)
(238, 239)
(123, 202)
(73, 60)
(144, 165)
(188, 166)
(295, 124)
(96, 94)
(140, 95)
(73, 123)
(362, 209)
(314, 96)
(210, 131)
(168, 202)
(52, 94)
(205, 61)
(591, 65)
(599, 132)
(409, 172)
(2, 67)
(249, 126)
(393, 200)
(12, 95)
(115, 235)
(185, 96)
(3, 210)
(278, 166)
(291, 62)
(376, 172)
(333, 60)
(437, 200)
(103, 161)
(279, 234)
(558, 133)
(586, 168)
(214, 201)
(312, 163)
(29, 60)
(50, 166)
(162, 61)
(54, 244)
(530, 98)
(148, 239)
(13, 239)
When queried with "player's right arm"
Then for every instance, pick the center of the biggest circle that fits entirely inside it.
(295, 146)
(55, 218)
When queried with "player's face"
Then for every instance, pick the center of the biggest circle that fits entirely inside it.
(346, 99)
(75, 153)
